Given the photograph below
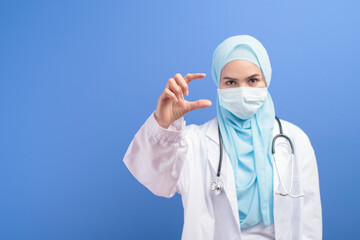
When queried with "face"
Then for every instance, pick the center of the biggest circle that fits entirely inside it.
(241, 73)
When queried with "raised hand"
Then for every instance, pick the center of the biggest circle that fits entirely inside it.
(171, 103)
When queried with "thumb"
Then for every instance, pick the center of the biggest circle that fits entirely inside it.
(202, 103)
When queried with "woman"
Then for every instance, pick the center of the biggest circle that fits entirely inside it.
(232, 185)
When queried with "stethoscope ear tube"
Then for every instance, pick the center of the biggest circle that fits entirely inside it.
(274, 141)
(281, 134)
(221, 153)
(287, 192)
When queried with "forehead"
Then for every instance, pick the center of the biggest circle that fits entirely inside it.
(240, 69)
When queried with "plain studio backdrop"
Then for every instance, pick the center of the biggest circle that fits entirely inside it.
(79, 78)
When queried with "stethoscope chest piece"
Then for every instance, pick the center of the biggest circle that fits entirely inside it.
(217, 186)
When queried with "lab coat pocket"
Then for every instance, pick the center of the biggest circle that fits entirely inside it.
(297, 193)
(288, 210)
(297, 208)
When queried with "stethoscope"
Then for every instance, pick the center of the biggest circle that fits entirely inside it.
(218, 185)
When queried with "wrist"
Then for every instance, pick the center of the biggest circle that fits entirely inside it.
(161, 123)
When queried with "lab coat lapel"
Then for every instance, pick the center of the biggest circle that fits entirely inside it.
(282, 205)
(283, 161)
(227, 174)
(275, 179)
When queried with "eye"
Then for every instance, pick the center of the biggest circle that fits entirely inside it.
(230, 82)
(253, 80)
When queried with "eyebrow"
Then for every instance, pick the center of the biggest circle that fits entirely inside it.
(230, 78)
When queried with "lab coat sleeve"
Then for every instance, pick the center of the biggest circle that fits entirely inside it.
(312, 215)
(156, 155)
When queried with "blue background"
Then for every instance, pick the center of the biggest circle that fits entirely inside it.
(79, 78)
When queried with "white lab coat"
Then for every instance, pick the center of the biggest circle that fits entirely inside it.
(184, 159)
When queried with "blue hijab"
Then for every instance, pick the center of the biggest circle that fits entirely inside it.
(248, 142)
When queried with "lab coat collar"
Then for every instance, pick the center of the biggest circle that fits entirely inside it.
(212, 131)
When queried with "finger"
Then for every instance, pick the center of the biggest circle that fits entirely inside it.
(192, 76)
(182, 83)
(202, 103)
(175, 88)
(169, 94)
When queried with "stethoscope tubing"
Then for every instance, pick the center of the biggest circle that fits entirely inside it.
(218, 187)
(221, 153)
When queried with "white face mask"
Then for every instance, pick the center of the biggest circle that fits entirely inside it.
(243, 102)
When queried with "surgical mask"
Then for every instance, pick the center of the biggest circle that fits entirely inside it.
(243, 102)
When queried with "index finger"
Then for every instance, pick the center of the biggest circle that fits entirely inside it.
(192, 76)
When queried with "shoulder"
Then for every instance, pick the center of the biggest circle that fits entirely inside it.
(208, 125)
(295, 133)
(204, 129)
(292, 128)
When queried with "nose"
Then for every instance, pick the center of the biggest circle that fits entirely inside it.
(243, 84)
